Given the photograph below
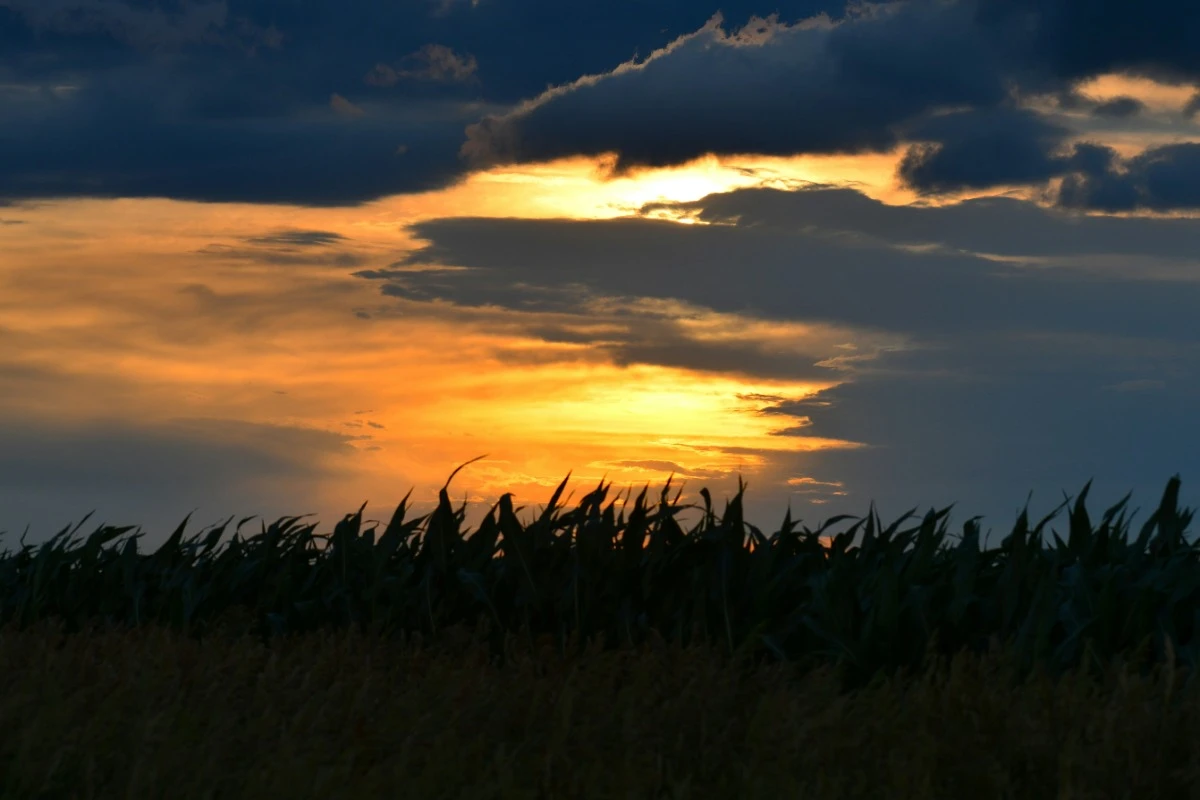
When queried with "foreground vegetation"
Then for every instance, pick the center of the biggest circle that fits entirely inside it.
(285, 660)
(152, 713)
(596, 572)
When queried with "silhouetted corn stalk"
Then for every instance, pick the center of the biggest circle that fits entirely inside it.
(590, 572)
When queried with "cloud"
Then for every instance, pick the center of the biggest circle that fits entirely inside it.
(231, 100)
(1070, 358)
(433, 62)
(222, 467)
(1120, 108)
(769, 87)
(344, 107)
(668, 467)
(982, 149)
(183, 104)
(1163, 178)
(1192, 106)
(290, 248)
(298, 238)
(993, 226)
(986, 149)
(137, 144)
(954, 79)
(783, 273)
(1057, 41)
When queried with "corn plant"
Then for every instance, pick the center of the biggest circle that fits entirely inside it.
(599, 572)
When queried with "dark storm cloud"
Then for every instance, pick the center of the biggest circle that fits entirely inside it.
(338, 103)
(142, 135)
(981, 149)
(327, 103)
(866, 83)
(1063, 40)
(767, 88)
(1163, 178)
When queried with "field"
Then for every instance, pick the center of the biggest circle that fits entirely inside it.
(600, 651)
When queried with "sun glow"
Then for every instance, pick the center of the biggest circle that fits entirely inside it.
(148, 312)
(587, 188)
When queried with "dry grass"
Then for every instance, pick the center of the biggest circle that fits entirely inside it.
(151, 713)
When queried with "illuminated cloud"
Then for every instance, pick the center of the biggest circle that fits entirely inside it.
(433, 62)
(344, 107)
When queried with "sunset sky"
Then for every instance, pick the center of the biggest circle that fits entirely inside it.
(269, 257)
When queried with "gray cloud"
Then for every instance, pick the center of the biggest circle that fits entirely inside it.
(1034, 374)
(991, 225)
(1192, 106)
(1120, 107)
(782, 274)
(298, 238)
(290, 248)
(53, 474)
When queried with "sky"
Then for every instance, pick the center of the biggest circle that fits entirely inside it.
(265, 257)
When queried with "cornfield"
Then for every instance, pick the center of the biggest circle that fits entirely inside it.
(599, 574)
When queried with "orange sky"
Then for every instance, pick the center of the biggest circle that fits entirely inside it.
(123, 296)
(152, 321)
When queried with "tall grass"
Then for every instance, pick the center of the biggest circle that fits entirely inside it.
(613, 575)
